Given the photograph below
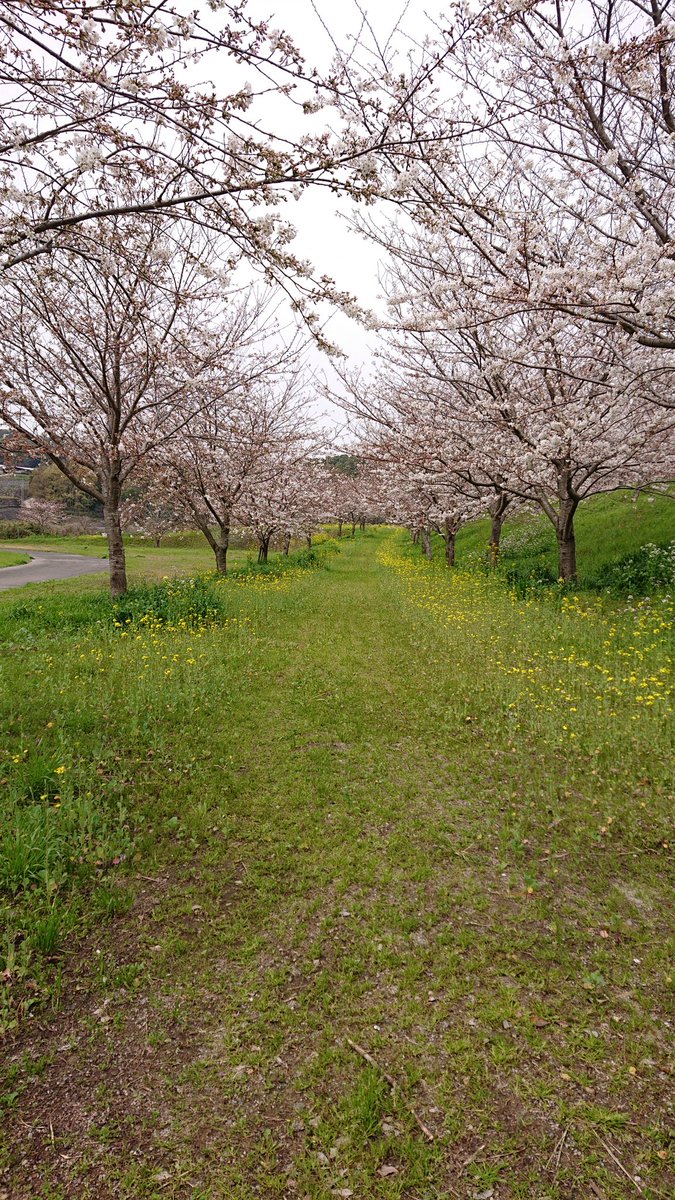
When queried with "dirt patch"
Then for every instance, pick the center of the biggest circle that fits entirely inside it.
(96, 1080)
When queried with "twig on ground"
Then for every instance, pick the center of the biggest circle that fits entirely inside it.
(557, 1151)
(596, 1190)
(392, 1084)
(619, 1164)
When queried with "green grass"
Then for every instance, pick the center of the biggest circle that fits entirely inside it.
(377, 801)
(11, 558)
(144, 559)
(609, 529)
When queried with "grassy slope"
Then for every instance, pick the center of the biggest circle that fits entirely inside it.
(607, 528)
(380, 804)
(12, 558)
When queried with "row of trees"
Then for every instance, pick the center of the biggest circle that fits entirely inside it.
(528, 351)
(137, 367)
(260, 492)
(532, 407)
(151, 300)
(527, 151)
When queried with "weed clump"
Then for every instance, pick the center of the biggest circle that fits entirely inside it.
(52, 846)
(192, 601)
(649, 569)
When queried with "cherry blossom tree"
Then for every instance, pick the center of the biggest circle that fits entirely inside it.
(544, 142)
(47, 515)
(561, 421)
(111, 89)
(343, 493)
(424, 470)
(278, 505)
(579, 101)
(534, 406)
(409, 481)
(109, 345)
(148, 517)
(228, 457)
(302, 501)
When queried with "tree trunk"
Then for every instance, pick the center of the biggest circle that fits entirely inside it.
(498, 516)
(567, 546)
(562, 521)
(287, 543)
(362, 524)
(263, 549)
(113, 530)
(426, 544)
(219, 548)
(308, 539)
(353, 528)
(495, 538)
(449, 535)
(339, 528)
(415, 535)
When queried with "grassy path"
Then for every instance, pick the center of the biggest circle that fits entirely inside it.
(351, 821)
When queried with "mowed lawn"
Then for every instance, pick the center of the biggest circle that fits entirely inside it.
(379, 808)
(179, 555)
(12, 558)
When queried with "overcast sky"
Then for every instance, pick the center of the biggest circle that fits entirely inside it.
(323, 235)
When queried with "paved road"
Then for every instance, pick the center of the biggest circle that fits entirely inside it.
(49, 565)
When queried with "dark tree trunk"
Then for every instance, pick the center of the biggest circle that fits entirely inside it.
(113, 530)
(263, 549)
(498, 516)
(287, 543)
(562, 521)
(449, 536)
(415, 535)
(339, 528)
(219, 547)
(158, 540)
(426, 544)
(353, 528)
(308, 539)
(567, 546)
(495, 538)
(362, 524)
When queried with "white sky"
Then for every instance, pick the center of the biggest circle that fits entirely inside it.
(323, 235)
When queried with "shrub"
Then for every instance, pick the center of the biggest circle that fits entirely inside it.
(527, 541)
(647, 570)
(527, 559)
(529, 576)
(12, 530)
